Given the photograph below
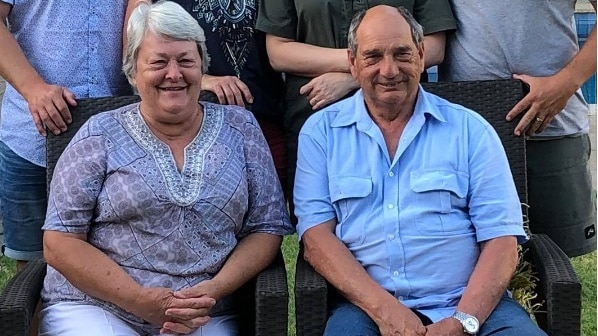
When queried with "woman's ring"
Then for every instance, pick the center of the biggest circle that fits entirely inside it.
(539, 119)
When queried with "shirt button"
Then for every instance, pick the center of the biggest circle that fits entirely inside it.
(391, 174)
(391, 236)
(390, 206)
(400, 298)
(395, 273)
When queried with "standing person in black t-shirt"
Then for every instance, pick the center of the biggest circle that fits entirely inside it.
(239, 71)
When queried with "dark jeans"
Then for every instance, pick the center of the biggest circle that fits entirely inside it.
(507, 319)
(23, 205)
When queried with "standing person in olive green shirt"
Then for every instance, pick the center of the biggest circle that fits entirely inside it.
(307, 40)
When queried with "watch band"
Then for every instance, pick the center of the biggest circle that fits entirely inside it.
(470, 323)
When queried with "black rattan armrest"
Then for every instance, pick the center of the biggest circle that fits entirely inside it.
(559, 289)
(19, 299)
(311, 299)
(272, 300)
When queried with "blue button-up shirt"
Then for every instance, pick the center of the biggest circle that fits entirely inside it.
(75, 44)
(413, 222)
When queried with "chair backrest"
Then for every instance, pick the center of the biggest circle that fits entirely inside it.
(493, 99)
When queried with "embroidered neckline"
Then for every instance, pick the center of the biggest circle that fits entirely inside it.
(184, 186)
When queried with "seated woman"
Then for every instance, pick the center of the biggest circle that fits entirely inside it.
(159, 210)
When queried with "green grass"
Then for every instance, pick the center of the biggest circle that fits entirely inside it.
(8, 267)
(290, 248)
(585, 266)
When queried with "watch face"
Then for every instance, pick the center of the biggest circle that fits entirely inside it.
(471, 325)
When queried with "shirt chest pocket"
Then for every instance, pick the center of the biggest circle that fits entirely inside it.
(441, 197)
(348, 194)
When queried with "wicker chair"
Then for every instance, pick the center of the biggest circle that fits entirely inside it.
(262, 302)
(558, 289)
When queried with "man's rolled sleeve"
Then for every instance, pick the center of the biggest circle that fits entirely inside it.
(311, 193)
(495, 208)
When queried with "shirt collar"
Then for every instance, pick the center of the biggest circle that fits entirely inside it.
(424, 105)
(353, 111)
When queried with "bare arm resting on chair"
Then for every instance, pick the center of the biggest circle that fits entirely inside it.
(488, 282)
(253, 253)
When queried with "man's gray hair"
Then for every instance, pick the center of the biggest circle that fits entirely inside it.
(165, 19)
(417, 32)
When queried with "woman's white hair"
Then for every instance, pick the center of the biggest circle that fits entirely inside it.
(166, 19)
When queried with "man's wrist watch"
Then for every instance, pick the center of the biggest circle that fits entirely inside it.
(470, 324)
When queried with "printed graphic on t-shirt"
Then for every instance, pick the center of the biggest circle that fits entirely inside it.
(234, 22)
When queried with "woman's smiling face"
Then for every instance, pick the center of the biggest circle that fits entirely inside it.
(168, 76)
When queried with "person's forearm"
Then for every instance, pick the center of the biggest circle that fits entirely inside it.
(434, 45)
(490, 277)
(331, 258)
(583, 65)
(303, 59)
(89, 269)
(14, 67)
(251, 255)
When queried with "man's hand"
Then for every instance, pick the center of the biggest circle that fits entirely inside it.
(49, 107)
(400, 320)
(446, 327)
(184, 317)
(328, 88)
(546, 98)
(229, 89)
(154, 305)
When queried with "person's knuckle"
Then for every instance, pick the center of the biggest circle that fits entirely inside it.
(45, 117)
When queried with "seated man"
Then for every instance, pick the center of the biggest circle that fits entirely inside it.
(405, 201)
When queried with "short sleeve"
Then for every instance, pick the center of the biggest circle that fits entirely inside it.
(494, 207)
(78, 178)
(277, 17)
(313, 205)
(434, 15)
(267, 212)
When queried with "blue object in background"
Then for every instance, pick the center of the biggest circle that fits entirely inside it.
(585, 22)
(433, 74)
